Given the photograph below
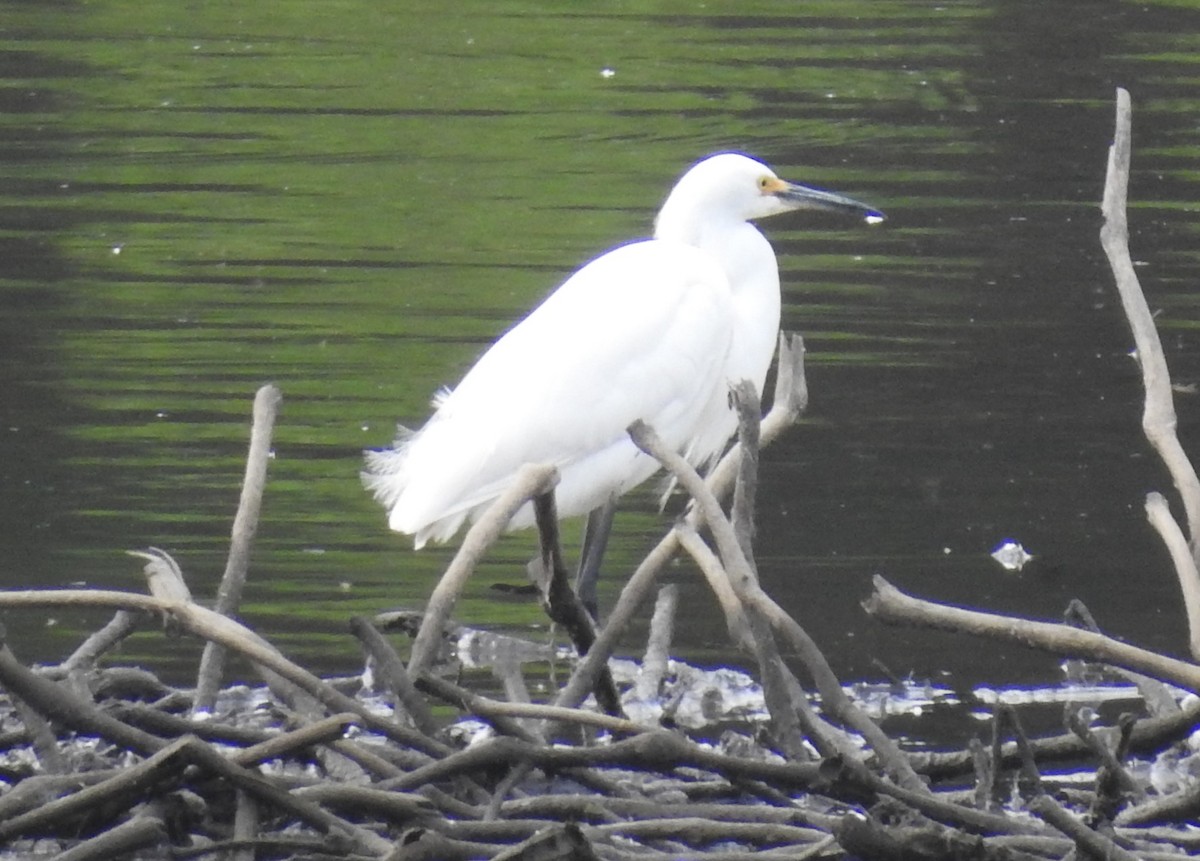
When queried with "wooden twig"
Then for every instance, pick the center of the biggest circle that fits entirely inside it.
(1006, 715)
(123, 841)
(390, 671)
(246, 824)
(41, 737)
(833, 696)
(651, 750)
(1158, 513)
(718, 581)
(1108, 758)
(1159, 700)
(399, 808)
(108, 599)
(696, 829)
(531, 480)
(209, 625)
(1181, 806)
(245, 525)
(745, 489)
(353, 836)
(500, 713)
(129, 784)
(59, 705)
(1092, 843)
(472, 703)
(286, 743)
(562, 604)
(636, 590)
(790, 400)
(890, 605)
(650, 676)
(1158, 413)
(984, 762)
(556, 841)
(1146, 736)
(122, 624)
(39, 789)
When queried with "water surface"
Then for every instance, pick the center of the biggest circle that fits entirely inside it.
(352, 201)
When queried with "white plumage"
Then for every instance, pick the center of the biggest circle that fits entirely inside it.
(656, 330)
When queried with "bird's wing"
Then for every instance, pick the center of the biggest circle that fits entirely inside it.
(642, 332)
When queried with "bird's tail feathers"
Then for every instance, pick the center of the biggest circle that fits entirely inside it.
(385, 472)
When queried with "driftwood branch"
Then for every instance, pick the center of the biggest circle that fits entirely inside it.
(245, 525)
(746, 585)
(889, 604)
(1158, 415)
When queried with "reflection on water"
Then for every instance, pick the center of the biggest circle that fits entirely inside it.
(352, 202)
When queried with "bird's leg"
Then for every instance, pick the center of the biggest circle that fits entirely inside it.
(561, 603)
(550, 557)
(595, 540)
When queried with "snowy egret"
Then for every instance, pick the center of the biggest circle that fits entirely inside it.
(656, 330)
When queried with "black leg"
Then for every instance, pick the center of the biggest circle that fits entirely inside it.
(562, 604)
(595, 541)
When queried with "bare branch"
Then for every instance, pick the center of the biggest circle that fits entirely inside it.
(889, 604)
(245, 525)
(1159, 515)
(531, 480)
(1158, 415)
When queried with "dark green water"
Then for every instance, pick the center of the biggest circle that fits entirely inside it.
(353, 199)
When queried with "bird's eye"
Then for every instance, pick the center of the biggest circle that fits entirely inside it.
(764, 183)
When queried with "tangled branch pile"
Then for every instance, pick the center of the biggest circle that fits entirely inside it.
(109, 763)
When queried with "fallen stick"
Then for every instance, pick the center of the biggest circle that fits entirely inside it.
(1149, 736)
(247, 823)
(390, 670)
(399, 808)
(270, 846)
(717, 578)
(354, 836)
(1182, 806)
(652, 750)
(487, 709)
(122, 624)
(1158, 515)
(287, 743)
(128, 784)
(208, 625)
(696, 829)
(123, 841)
(60, 706)
(1091, 843)
(888, 604)
(40, 789)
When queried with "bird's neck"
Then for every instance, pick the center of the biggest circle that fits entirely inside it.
(744, 254)
(748, 261)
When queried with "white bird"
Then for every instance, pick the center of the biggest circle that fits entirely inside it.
(656, 330)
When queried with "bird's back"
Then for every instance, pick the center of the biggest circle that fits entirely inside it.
(643, 332)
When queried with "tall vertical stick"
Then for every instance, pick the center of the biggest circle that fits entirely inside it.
(1158, 414)
(245, 525)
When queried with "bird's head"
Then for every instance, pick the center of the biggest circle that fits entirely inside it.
(734, 187)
